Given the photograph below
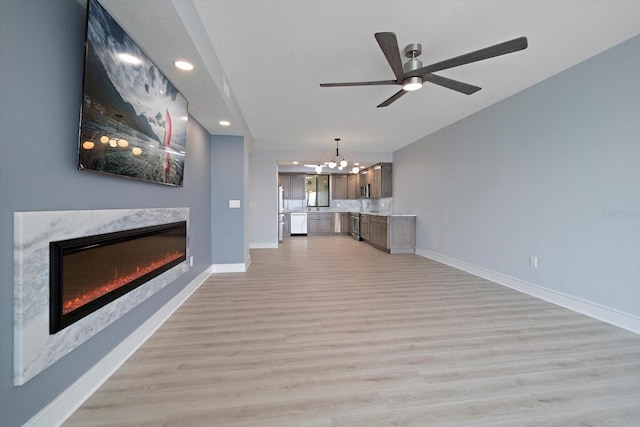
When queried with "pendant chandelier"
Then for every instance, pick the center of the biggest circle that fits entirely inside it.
(338, 160)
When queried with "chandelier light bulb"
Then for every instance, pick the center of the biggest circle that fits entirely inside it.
(343, 163)
(332, 164)
(355, 169)
(318, 169)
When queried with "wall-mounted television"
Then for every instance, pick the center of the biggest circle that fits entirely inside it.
(133, 121)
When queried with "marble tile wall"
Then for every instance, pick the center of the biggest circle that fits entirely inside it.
(34, 348)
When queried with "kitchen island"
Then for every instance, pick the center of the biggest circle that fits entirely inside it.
(392, 233)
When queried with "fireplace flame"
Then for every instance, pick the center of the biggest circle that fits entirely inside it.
(117, 282)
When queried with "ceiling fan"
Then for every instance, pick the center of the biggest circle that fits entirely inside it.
(412, 74)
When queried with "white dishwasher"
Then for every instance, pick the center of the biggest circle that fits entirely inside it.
(298, 223)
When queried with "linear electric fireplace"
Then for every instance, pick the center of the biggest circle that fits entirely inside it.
(88, 273)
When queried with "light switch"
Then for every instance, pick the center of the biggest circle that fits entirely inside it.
(234, 204)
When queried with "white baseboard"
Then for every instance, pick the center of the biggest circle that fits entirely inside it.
(263, 245)
(247, 262)
(239, 267)
(606, 314)
(63, 406)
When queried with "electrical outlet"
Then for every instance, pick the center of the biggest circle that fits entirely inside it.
(191, 261)
(533, 261)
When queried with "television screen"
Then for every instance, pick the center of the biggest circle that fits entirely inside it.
(134, 121)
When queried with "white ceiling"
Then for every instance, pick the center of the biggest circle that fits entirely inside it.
(274, 54)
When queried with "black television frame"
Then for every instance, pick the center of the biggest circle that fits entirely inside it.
(133, 121)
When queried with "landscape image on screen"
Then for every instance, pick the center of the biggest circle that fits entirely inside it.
(134, 121)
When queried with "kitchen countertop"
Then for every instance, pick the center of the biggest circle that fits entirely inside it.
(315, 211)
(362, 213)
(385, 214)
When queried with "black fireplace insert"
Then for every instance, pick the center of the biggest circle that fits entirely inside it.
(88, 273)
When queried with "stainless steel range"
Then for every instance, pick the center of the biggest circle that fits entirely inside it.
(354, 225)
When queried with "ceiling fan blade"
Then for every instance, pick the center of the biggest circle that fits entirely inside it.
(393, 98)
(389, 45)
(380, 82)
(465, 88)
(478, 55)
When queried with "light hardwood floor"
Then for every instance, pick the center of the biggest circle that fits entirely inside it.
(327, 331)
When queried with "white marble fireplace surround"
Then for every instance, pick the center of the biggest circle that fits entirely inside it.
(34, 348)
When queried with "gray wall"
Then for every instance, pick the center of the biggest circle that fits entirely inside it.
(552, 171)
(228, 178)
(41, 60)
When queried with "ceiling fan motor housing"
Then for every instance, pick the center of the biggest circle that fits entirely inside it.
(412, 64)
(413, 50)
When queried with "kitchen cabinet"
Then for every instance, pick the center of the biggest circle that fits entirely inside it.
(365, 227)
(293, 185)
(339, 184)
(297, 187)
(353, 186)
(380, 179)
(319, 223)
(345, 186)
(374, 182)
(363, 181)
(402, 234)
(379, 231)
(285, 182)
(344, 223)
(287, 225)
(395, 234)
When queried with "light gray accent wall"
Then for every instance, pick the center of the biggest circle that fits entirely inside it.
(550, 172)
(227, 177)
(41, 64)
(263, 185)
(263, 198)
(245, 202)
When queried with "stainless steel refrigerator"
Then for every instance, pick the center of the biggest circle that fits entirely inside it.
(280, 213)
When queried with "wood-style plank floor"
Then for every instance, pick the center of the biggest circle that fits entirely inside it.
(327, 331)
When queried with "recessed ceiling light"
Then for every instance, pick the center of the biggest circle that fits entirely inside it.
(130, 58)
(183, 65)
(295, 162)
(225, 123)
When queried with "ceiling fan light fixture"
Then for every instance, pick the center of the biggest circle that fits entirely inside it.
(412, 83)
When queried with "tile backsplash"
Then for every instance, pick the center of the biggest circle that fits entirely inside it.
(383, 205)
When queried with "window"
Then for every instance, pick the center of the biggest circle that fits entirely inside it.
(316, 190)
